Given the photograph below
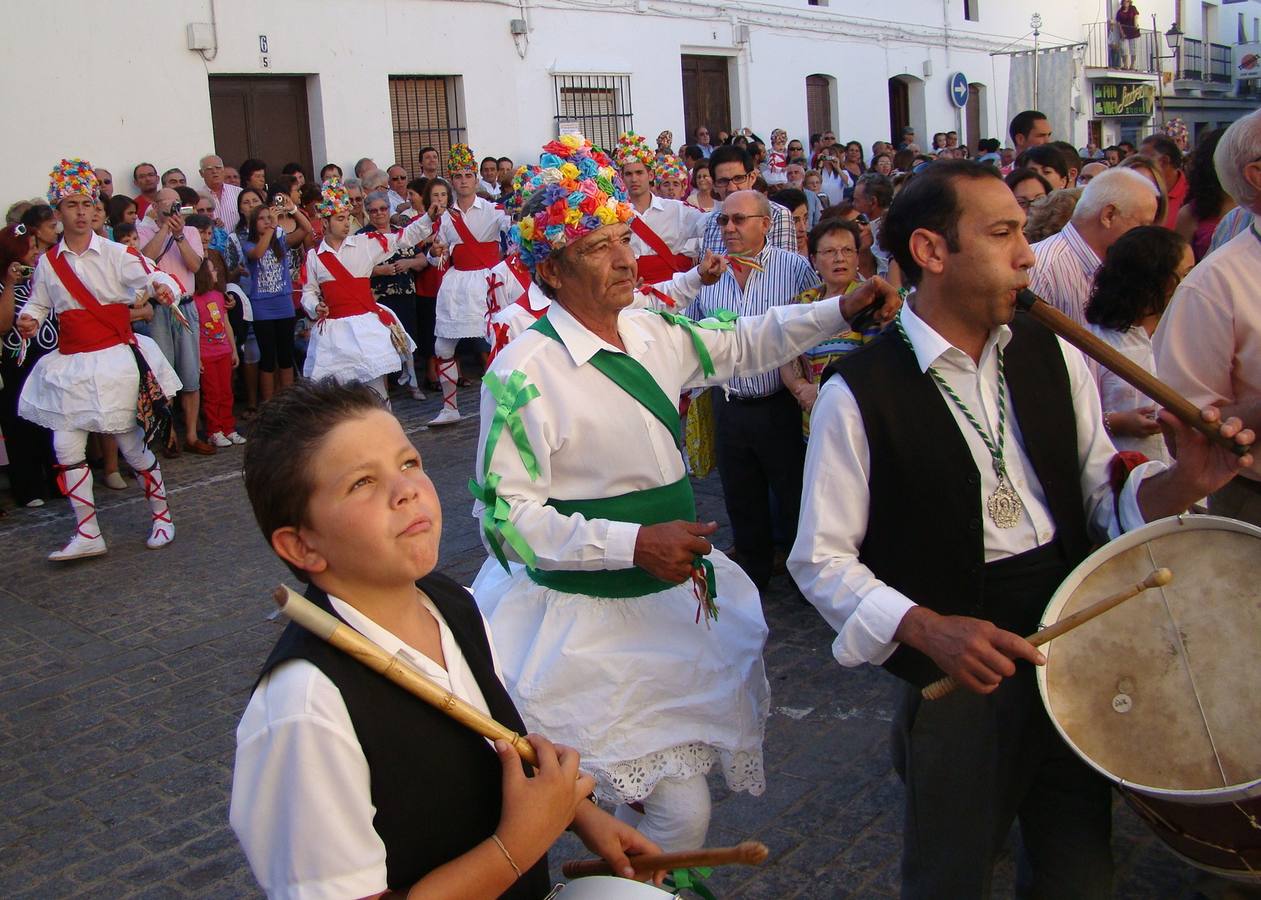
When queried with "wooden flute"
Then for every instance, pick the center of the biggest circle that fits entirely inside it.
(396, 668)
(1110, 358)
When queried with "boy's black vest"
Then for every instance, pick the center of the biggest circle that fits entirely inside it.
(924, 528)
(436, 785)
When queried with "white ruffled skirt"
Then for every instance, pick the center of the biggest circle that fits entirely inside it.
(640, 689)
(353, 349)
(460, 310)
(94, 391)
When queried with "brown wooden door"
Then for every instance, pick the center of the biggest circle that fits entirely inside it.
(261, 117)
(899, 109)
(818, 104)
(706, 96)
(973, 117)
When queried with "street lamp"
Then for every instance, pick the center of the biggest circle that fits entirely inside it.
(1035, 21)
(1173, 39)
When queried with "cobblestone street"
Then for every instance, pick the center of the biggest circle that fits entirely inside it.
(123, 679)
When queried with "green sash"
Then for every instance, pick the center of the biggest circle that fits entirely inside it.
(631, 377)
(651, 506)
(647, 507)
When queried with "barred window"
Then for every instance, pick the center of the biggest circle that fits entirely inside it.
(425, 111)
(598, 106)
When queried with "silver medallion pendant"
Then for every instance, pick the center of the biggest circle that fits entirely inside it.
(1004, 505)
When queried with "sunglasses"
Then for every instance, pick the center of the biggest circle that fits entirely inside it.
(739, 219)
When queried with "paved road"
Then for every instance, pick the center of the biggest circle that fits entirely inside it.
(122, 679)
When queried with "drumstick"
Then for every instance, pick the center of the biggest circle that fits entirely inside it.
(746, 853)
(303, 612)
(1108, 357)
(1158, 578)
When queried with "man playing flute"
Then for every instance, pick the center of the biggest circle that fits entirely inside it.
(606, 633)
(958, 469)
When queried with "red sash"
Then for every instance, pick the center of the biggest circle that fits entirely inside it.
(96, 326)
(518, 269)
(662, 262)
(471, 254)
(347, 295)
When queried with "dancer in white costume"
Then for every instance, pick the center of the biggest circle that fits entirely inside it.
(355, 338)
(472, 228)
(102, 378)
(581, 479)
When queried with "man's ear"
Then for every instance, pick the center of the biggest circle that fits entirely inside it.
(929, 250)
(292, 546)
(548, 274)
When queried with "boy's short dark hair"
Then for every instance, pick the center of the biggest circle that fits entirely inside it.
(124, 229)
(286, 436)
(1022, 123)
(929, 201)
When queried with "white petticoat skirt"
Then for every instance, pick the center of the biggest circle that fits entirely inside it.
(353, 349)
(94, 391)
(640, 689)
(460, 310)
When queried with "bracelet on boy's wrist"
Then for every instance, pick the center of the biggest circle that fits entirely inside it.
(508, 856)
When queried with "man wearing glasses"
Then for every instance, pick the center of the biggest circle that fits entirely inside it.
(732, 168)
(760, 451)
(211, 169)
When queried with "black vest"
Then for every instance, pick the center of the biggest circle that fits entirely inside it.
(924, 530)
(436, 785)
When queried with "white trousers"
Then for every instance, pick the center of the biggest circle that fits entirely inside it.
(676, 814)
(71, 447)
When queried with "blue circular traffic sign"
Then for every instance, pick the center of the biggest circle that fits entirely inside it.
(959, 89)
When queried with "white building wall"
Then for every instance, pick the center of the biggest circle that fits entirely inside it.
(130, 90)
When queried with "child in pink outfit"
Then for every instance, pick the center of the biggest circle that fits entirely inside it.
(218, 359)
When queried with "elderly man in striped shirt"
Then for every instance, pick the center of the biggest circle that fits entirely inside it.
(1112, 204)
(759, 445)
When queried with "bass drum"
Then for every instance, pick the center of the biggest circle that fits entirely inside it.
(1162, 695)
(606, 887)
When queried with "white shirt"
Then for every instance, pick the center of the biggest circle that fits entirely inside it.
(106, 269)
(395, 200)
(225, 206)
(488, 187)
(675, 222)
(863, 610)
(1208, 343)
(301, 791)
(486, 221)
(1064, 272)
(1118, 395)
(358, 253)
(580, 457)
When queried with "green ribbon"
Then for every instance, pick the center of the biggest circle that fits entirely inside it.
(692, 880)
(496, 525)
(509, 398)
(722, 320)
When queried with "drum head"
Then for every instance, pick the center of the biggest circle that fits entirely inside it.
(605, 887)
(1161, 693)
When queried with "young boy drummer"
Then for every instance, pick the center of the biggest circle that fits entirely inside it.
(346, 785)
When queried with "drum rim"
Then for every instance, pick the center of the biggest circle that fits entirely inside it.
(558, 888)
(1245, 790)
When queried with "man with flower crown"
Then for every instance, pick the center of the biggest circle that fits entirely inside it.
(620, 630)
(473, 229)
(665, 233)
(673, 180)
(102, 378)
(355, 338)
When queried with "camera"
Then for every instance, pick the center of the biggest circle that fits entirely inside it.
(278, 201)
(187, 211)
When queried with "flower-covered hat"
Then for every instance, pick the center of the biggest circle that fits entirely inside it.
(633, 148)
(334, 199)
(461, 160)
(666, 139)
(574, 191)
(70, 178)
(670, 167)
